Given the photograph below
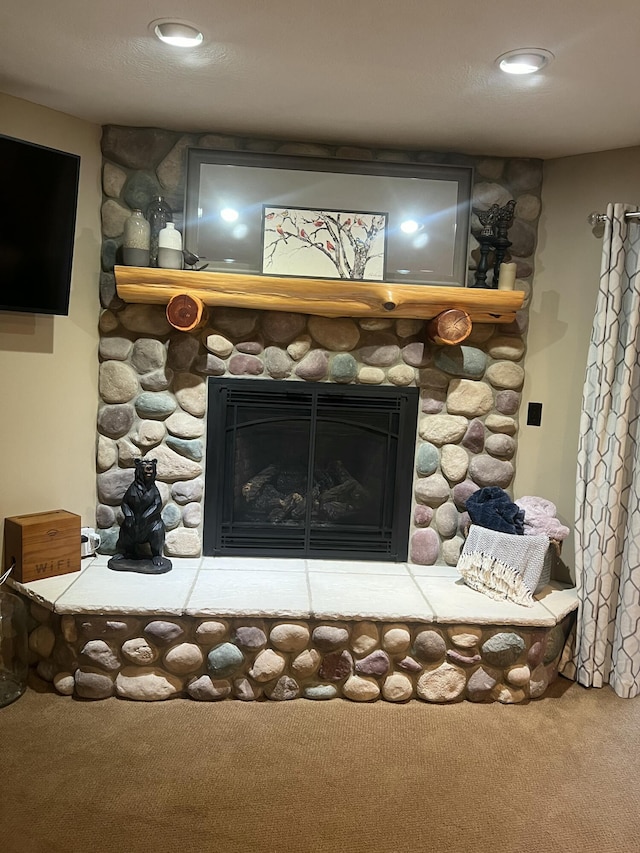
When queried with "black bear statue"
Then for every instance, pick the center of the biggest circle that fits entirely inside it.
(141, 540)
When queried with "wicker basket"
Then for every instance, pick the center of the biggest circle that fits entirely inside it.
(553, 554)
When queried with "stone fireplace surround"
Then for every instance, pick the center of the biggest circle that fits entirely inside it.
(249, 629)
(153, 378)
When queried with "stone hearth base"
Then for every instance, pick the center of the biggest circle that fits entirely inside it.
(209, 630)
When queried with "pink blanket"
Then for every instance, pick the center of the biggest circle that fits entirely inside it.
(540, 517)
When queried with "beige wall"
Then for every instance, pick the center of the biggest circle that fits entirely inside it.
(561, 314)
(49, 365)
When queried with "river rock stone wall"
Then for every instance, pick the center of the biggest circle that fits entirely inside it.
(155, 658)
(153, 379)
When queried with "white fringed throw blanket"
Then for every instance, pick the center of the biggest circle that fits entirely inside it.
(502, 565)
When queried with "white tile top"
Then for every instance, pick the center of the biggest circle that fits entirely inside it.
(237, 592)
(453, 601)
(98, 589)
(297, 589)
(359, 596)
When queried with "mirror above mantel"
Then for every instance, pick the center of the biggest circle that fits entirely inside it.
(310, 217)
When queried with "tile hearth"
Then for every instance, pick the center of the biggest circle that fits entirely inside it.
(295, 589)
(233, 627)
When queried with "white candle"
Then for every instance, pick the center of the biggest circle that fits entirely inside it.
(507, 276)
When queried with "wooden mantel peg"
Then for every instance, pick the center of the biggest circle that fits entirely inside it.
(186, 312)
(450, 327)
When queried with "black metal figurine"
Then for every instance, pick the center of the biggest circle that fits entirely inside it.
(141, 540)
(485, 238)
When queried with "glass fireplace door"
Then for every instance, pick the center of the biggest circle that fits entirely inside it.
(314, 470)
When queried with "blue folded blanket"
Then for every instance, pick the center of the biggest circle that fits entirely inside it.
(491, 507)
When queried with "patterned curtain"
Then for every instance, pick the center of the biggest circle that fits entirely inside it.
(607, 648)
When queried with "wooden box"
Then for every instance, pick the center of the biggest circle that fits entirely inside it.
(43, 544)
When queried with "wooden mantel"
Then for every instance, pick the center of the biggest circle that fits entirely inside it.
(323, 297)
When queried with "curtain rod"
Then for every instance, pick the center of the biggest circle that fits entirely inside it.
(595, 218)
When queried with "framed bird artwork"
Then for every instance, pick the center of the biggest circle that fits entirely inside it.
(305, 242)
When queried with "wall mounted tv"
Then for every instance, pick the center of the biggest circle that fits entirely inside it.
(37, 226)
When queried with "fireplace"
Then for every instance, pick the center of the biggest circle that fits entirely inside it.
(308, 469)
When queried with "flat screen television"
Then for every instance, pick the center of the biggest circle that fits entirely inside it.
(37, 226)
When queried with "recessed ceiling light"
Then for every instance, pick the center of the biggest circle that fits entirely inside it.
(525, 60)
(176, 33)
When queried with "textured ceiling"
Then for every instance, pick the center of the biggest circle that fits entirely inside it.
(397, 73)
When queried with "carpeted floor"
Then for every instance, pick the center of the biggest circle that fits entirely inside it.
(558, 774)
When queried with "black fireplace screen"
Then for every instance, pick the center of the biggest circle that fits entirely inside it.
(308, 470)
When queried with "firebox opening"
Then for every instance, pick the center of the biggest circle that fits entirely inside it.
(308, 469)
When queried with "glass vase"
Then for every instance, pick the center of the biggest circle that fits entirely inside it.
(158, 214)
(14, 663)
